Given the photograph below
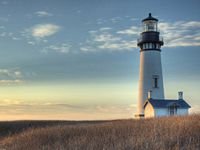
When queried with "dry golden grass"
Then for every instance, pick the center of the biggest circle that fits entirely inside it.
(173, 133)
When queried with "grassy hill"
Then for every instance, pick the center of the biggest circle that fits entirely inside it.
(172, 133)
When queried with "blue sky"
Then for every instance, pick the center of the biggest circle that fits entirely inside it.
(80, 60)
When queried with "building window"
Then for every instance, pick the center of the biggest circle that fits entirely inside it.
(173, 110)
(155, 81)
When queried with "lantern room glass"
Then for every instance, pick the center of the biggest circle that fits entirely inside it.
(150, 25)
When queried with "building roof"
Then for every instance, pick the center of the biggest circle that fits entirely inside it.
(149, 18)
(165, 103)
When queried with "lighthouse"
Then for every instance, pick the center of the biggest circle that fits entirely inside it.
(150, 72)
(151, 100)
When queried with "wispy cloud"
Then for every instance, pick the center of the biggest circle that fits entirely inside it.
(15, 106)
(177, 34)
(31, 43)
(7, 102)
(12, 73)
(2, 27)
(131, 31)
(4, 2)
(116, 19)
(122, 45)
(112, 20)
(10, 35)
(43, 30)
(108, 39)
(10, 82)
(60, 48)
(10, 76)
(180, 33)
(7, 33)
(195, 109)
(105, 28)
(43, 14)
(101, 21)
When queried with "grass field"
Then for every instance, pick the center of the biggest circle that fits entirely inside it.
(172, 133)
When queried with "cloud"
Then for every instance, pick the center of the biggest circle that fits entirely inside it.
(180, 33)
(31, 43)
(4, 2)
(11, 73)
(105, 28)
(59, 48)
(15, 107)
(15, 38)
(10, 82)
(110, 40)
(3, 34)
(123, 45)
(195, 109)
(5, 102)
(43, 30)
(86, 48)
(116, 19)
(2, 27)
(8, 34)
(106, 37)
(43, 14)
(101, 21)
(176, 34)
(131, 31)
(192, 24)
(10, 76)
(115, 109)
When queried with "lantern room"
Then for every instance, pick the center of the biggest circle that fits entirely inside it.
(150, 24)
(149, 38)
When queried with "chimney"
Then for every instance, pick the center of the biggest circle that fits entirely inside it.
(180, 95)
(150, 94)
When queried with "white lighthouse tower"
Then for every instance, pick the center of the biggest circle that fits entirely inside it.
(150, 75)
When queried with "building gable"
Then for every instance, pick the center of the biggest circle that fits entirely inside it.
(149, 110)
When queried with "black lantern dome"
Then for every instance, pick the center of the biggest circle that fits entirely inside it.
(150, 18)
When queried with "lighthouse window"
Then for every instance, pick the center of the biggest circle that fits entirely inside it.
(155, 81)
(147, 45)
(150, 25)
(143, 46)
(154, 45)
(150, 45)
(157, 46)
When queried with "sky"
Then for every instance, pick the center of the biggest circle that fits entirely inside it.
(75, 60)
